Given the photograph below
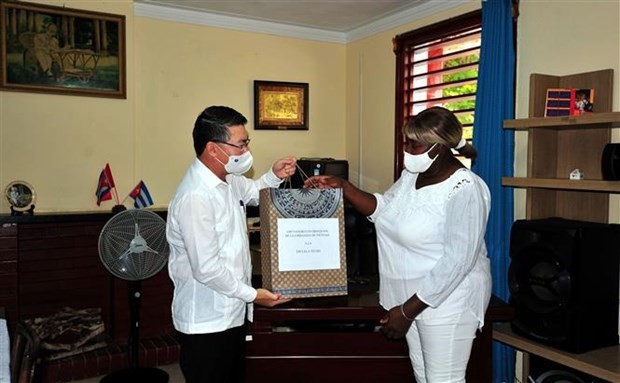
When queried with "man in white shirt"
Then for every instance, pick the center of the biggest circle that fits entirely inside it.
(209, 249)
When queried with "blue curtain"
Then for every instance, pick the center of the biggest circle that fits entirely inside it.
(495, 103)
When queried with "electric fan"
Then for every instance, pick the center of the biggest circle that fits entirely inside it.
(133, 247)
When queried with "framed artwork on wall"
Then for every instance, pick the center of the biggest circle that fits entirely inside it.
(47, 49)
(280, 105)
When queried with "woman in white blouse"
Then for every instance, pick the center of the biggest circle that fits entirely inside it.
(434, 272)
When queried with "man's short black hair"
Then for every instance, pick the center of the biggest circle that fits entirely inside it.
(212, 125)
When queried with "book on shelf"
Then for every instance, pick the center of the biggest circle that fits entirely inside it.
(568, 102)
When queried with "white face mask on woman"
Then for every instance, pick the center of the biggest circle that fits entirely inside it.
(238, 165)
(419, 163)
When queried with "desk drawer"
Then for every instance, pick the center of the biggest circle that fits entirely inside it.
(329, 369)
(325, 344)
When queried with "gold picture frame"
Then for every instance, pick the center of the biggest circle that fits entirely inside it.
(48, 49)
(280, 105)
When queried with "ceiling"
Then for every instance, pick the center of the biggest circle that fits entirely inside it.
(327, 15)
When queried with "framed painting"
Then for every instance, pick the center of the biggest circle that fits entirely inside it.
(280, 105)
(47, 49)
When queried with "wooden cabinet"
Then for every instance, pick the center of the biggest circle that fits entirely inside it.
(8, 268)
(603, 363)
(555, 147)
(49, 261)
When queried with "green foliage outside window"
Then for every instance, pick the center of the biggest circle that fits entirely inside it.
(467, 120)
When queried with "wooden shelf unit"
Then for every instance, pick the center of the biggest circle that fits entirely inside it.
(568, 122)
(556, 146)
(603, 363)
(563, 184)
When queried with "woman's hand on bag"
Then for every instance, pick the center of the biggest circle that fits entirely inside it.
(284, 167)
(324, 182)
(266, 298)
(394, 324)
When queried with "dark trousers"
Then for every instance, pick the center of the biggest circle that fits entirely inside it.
(213, 358)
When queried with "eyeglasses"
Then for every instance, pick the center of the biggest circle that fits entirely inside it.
(242, 146)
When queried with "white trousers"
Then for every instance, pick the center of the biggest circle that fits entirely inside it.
(439, 346)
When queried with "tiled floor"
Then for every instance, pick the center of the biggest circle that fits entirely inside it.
(173, 370)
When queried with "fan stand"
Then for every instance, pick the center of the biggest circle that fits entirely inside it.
(134, 373)
(118, 208)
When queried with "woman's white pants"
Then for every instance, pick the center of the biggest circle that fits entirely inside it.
(439, 346)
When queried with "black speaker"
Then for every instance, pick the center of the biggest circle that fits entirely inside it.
(546, 371)
(563, 280)
(309, 167)
(558, 376)
(610, 162)
(361, 246)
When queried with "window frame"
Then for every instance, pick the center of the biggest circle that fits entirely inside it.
(428, 33)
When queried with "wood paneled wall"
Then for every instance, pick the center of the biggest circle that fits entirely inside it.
(51, 261)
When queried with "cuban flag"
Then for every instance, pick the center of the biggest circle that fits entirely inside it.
(105, 185)
(141, 196)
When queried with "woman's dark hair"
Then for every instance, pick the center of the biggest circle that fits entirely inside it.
(438, 125)
(212, 125)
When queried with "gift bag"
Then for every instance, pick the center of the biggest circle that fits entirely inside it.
(303, 242)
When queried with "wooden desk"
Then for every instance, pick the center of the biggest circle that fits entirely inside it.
(603, 363)
(335, 339)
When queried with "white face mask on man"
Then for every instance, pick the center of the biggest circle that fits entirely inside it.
(237, 165)
(419, 163)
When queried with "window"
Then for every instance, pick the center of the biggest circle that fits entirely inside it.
(437, 65)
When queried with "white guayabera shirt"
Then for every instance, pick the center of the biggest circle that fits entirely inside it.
(209, 260)
(431, 243)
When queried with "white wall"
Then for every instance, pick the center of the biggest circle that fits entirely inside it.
(59, 143)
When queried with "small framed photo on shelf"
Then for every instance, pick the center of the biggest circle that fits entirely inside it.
(569, 102)
(280, 105)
